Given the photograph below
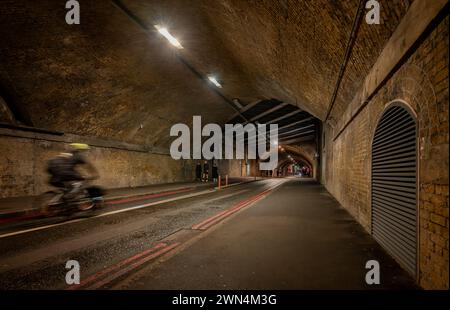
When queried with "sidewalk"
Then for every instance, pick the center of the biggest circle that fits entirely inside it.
(20, 206)
(296, 238)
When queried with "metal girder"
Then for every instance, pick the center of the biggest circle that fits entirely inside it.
(247, 107)
(302, 139)
(298, 134)
(297, 122)
(284, 116)
(255, 118)
(295, 130)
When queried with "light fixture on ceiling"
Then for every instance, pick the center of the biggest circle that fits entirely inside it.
(237, 103)
(166, 34)
(213, 80)
(275, 142)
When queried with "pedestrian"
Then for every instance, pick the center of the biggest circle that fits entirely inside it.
(205, 171)
(215, 173)
(198, 171)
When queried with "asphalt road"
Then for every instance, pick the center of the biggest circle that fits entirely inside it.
(34, 254)
(268, 234)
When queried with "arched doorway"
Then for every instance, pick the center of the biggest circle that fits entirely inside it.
(394, 185)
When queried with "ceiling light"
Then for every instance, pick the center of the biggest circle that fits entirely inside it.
(275, 142)
(168, 36)
(214, 81)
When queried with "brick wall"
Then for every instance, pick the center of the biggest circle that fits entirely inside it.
(422, 83)
(23, 162)
(238, 168)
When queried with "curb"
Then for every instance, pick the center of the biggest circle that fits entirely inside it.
(34, 213)
(239, 183)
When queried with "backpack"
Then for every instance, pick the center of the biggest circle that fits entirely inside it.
(57, 165)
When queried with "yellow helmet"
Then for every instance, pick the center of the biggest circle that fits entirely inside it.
(79, 146)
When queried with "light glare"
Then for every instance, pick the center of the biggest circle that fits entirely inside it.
(166, 34)
(214, 81)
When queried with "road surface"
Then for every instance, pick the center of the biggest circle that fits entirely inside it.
(267, 234)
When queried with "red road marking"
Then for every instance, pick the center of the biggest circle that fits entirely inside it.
(36, 214)
(221, 213)
(95, 281)
(218, 217)
(20, 218)
(132, 266)
(101, 273)
(215, 221)
(125, 200)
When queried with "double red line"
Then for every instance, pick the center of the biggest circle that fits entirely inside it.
(105, 276)
(29, 216)
(150, 196)
(36, 214)
(220, 216)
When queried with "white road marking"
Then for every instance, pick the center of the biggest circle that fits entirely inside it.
(209, 191)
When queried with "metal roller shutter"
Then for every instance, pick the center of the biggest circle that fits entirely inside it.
(394, 189)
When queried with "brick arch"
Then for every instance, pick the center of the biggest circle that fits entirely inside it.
(284, 162)
(305, 152)
(298, 157)
(412, 86)
(415, 86)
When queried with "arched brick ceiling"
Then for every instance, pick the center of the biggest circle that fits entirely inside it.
(368, 45)
(298, 154)
(306, 151)
(261, 49)
(108, 76)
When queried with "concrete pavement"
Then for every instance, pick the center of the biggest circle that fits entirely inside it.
(296, 238)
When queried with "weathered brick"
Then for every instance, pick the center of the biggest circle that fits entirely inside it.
(438, 219)
(439, 200)
(442, 190)
(422, 81)
(440, 241)
(428, 188)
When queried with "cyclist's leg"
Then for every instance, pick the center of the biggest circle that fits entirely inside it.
(74, 183)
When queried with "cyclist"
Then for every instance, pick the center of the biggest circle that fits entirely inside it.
(64, 169)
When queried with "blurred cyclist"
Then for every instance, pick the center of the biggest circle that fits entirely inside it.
(64, 172)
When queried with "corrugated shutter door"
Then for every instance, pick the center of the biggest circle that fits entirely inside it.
(394, 205)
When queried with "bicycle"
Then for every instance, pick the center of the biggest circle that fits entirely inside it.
(75, 197)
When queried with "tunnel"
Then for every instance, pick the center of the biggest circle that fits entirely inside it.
(224, 145)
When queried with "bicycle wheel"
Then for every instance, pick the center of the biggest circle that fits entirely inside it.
(86, 205)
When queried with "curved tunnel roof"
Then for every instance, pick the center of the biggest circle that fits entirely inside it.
(114, 75)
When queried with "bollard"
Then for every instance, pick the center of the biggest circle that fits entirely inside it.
(219, 182)
(226, 180)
